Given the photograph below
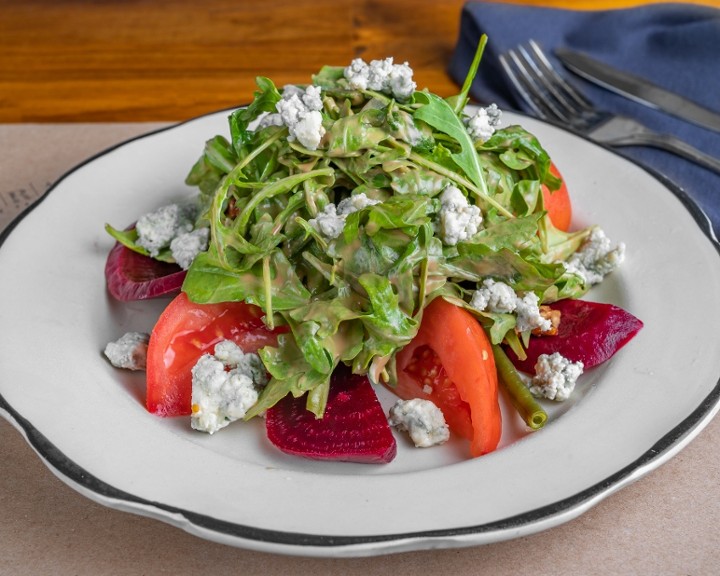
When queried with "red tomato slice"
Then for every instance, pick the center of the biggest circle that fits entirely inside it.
(451, 363)
(184, 332)
(557, 203)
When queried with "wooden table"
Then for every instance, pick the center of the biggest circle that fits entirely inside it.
(151, 60)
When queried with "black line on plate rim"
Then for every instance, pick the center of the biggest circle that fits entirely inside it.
(75, 474)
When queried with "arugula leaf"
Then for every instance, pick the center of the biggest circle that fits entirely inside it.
(461, 99)
(265, 100)
(519, 150)
(359, 132)
(328, 76)
(328, 331)
(477, 261)
(439, 114)
(416, 180)
(208, 281)
(291, 374)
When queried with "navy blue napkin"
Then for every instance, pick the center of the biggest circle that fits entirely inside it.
(673, 45)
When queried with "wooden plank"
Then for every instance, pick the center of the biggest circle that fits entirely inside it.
(171, 60)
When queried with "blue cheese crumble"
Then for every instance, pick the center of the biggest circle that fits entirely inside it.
(331, 221)
(225, 385)
(173, 227)
(529, 316)
(482, 125)
(299, 110)
(381, 76)
(157, 229)
(129, 351)
(496, 297)
(500, 298)
(186, 246)
(459, 220)
(596, 258)
(422, 420)
(555, 377)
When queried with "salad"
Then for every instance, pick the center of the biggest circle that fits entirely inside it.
(357, 232)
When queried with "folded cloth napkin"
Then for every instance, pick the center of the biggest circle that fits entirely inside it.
(672, 45)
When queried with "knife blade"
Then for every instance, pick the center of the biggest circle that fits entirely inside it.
(638, 89)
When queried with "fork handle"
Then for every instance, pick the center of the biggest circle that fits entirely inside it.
(671, 144)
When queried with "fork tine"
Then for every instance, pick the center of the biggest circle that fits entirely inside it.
(545, 91)
(556, 79)
(526, 79)
(520, 86)
(553, 87)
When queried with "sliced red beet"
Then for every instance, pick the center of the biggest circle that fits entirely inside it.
(133, 276)
(354, 427)
(589, 332)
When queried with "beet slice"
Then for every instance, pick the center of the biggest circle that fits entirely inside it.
(133, 276)
(354, 427)
(589, 332)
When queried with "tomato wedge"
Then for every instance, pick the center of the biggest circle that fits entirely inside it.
(184, 332)
(557, 203)
(451, 363)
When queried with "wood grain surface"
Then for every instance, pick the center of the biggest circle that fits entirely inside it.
(158, 60)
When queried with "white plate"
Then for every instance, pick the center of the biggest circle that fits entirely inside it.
(87, 422)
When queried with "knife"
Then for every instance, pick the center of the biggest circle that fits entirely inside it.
(638, 89)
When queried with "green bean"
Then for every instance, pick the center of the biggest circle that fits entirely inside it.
(521, 398)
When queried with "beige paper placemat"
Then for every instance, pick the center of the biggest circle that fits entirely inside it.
(667, 523)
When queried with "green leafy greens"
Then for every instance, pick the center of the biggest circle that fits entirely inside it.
(358, 298)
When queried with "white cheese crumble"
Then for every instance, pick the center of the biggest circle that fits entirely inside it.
(355, 203)
(311, 96)
(186, 246)
(596, 258)
(331, 221)
(225, 386)
(299, 110)
(265, 119)
(494, 296)
(482, 125)
(129, 351)
(381, 76)
(157, 229)
(528, 314)
(555, 377)
(459, 220)
(328, 222)
(423, 421)
(500, 298)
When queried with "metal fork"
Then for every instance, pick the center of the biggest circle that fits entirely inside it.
(551, 97)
